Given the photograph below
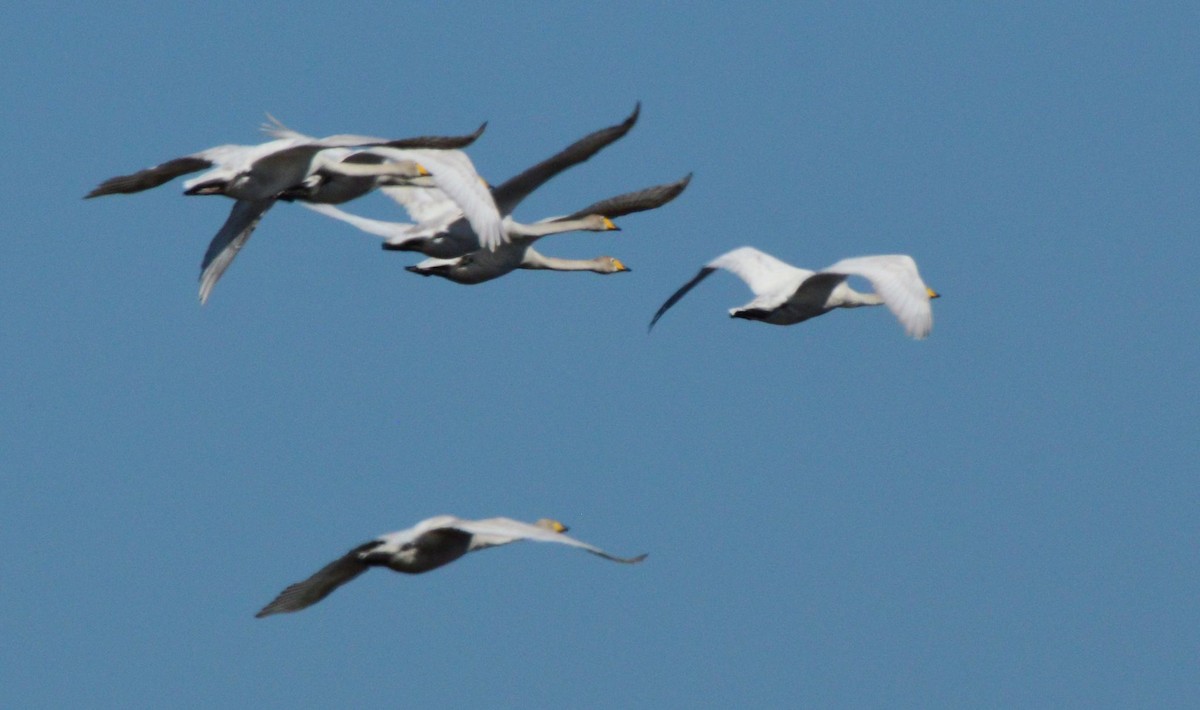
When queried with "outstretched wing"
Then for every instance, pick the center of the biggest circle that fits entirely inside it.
(764, 274)
(439, 142)
(427, 206)
(631, 202)
(771, 280)
(228, 242)
(456, 178)
(276, 129)
(150, 177)
(501, 528)
(302, 595)
(680, 294)
(895, 278)
(510, 194)
(378, 227)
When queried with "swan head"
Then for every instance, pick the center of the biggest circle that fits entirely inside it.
(598, 223)
(611, 265)
(551, 525)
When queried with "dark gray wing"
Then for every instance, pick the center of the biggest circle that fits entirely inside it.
(438, 142)
(150, 177)
(510, 193)
(680, 294)
(638, 201)
(225, 245)
(302, 595)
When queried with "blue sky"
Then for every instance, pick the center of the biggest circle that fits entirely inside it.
(1001, 515)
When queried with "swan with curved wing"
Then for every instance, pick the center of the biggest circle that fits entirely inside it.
(785, 294)
(427, 545)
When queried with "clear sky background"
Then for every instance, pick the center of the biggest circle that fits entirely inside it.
(1006, 514)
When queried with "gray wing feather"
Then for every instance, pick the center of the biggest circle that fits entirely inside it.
(638, 201)
(510, 193)
(302, 595)
(681, 293)
(438, 142)
(228, 242)
(150, 177)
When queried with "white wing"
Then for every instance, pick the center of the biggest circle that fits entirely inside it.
(378, 227)
(764, 274)
(274, 128)
(428, 206)
(513, 530)
(771, 280)
(895, 279)
(457, 179)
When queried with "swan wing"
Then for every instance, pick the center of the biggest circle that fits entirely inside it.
(510, 193)
(151, 177)
(427, 206)
(500, 530)
(771, 280)
(896, 280)
(302, 595)
(378, 227)
(704, 273)
(229, 240)
(274, 128)
(456, 178)
(631, 202)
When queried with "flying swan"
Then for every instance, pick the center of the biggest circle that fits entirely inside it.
(427, 545)
(785, 294)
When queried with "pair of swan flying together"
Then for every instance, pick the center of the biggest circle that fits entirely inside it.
(785, 294)
(427, 545)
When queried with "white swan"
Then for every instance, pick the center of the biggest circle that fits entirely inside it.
(427, 545)
(785, 294)
(255, 176)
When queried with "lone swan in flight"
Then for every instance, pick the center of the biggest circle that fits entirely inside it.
(427, 545)
(785, 294)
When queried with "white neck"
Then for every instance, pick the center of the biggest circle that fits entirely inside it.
(843, 296)
(536, 260)
(545, 228)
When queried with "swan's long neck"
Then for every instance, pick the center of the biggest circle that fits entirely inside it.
(401, 169)
(545, 228)
(534, 260)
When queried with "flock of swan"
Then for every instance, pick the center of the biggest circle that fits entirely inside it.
(465, 227)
